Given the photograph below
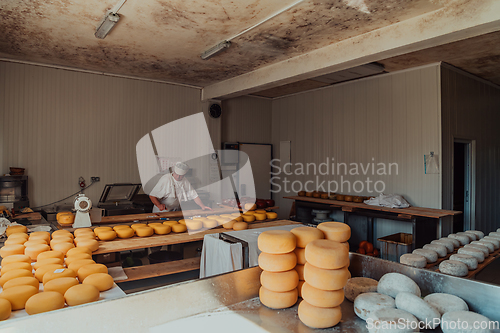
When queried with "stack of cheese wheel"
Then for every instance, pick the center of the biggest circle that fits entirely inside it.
(279, 279)
(304, 236)
(326, 273)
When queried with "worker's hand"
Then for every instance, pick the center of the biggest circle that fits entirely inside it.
(206, 208)
(161, 207)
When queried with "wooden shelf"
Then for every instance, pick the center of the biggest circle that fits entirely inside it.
(161, 269)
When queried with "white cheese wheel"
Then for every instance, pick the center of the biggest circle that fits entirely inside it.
(279, 281)
(209, 224)
(456, 242)
(91, 244)
(316, 317)
(387, 321)
(301, 255)
(9, 250)
(102, 281)
(479, 255)
(300, 271)
(413, 260)
(337, 231)
(446, 302)
(81, 294)
(276, 241)
(490, 246)
(326, 279)
(472, 237)
(468, 260)
(479, 247)
(17, 296)
(5, 309)
(461, 238)
(440, 249)
(365, 303)
(277, 262)
(447, 244)
(430, 255)
(305, 235)
(87, 270)
(327, 254)
(359, 285)
(488, 243)
(276, 300)
(14, 274)
(22, 281)
(57, 274)
(322, 298)
(16, 258)
(475, 322)
(60, 285)
(479, 234)
(419, 308)
(63, 247)
(44, 302)
(393, 283)
(493, 240)
(452, 267)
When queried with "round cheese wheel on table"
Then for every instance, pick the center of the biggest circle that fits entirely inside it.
(144, 231)
(81, 294)
(456, 242)
(327, 254)
(448, 244)
(12, 241)
(419, 308)
(181, 222)
(472, 237)
(479, 247)
(60, 240)
(275, 300)
(5, 309)
(40, 272)
(16, 258)
(479, 255)
(468, 260)
(466, 319)
(9, 250)
(125, 232)
(84, 236)
(63, 236)
(22, 281)
(87, 270)
(99, 229)
(196, 224)
(35, 241)
(15, 229)
(209, 224)
(60, 285)
(44, 302)
(16, 265)
(63, 247)
(76, 265)
(61, 232)
(326, 279)
(461, 238)
(452, 267)
(17, 296)
(446, 302)
(260, 216)
(393, 283)
(124, 226)
(490, 246)
(317, 317)
(429, 255)
(479, 234)
(82, 230)
(91, 244)
(413, 260)
(138, 225)
(48, 261)
(337, 231)
(178, 228)
(57, 274)
(305, 235)
(366, 303)
(162, 229)
(488, 242)
(248, 218)
(322, 298)
(271, 215)
(106, 235)
(384, 320)
(277, 262)
(34, 250)
(493, 240)
(279, 281)
(359, 285)
(102, 281)
(277, 241)
(19, 235)
(50, 254)
(77, 250)
(77, 256)
(240, 226)
(43, 234)
(229, 225)
(440, 249)
(301, 255)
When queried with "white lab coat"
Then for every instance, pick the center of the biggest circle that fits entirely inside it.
(170, 192)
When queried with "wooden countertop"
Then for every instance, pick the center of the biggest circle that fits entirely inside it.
(118, 245)
(402, 212)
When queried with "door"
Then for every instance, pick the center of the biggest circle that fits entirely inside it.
(462, 185)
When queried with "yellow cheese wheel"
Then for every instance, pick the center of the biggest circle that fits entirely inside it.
(277, 262)
(12, 241)
(81, 294)
(22, 281)
(63, 247)
(260, 216)
(19, 235)
(66, 219)
(99, 229)
(144, 231)
(170, 223)
(91, 244)
(276, 300)
(61, 232)
(42, 270)
(301, 255)
(77, 250)
(14, 274)
(79, 231)
(77, 256)
(154, 224)
(337, 231)
(123, 226)
(240, 226)
(299, 287)
(276, 241)
(327, 254)
(263, 211)
(87, 270)
(16, 258)
(279, 281)
(125, 232)
(107, 235)
(17, 296)
(60, 285)
(271, 215)
(238, 218)
(300, 271)
(250, 206)
(209, 224)
(346, 244)
(60, 240)
(5, 309)
(138, 225)
(305, 235)
(102, 281)
(35, 241)
(63, 213)
(229, 225)
(248, 218)
(322, 298)
(213, 217)
(43, 302)
(57, 274)
(317, 317)
(68, 237)
(195, 224)
(162, 229)
(14, 229)
(9, 250)
(76, 265)
(47, 261)
(34, 250)
(84, 236)
(16, 265)
(50, 254)
(183, 222)
(326, 279)
(179, 228)
(40, 235)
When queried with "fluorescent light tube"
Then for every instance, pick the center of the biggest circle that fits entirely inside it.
(215, 50)
(106, 25)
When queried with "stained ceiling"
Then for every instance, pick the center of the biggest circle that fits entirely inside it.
(163, 40)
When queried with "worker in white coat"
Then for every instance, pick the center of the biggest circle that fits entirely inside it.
(173, 188)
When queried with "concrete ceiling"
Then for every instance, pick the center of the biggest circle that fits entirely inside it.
(163, 40)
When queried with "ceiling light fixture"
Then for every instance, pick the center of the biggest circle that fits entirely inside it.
(107, 23)
(215, 49)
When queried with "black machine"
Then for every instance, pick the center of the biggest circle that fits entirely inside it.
(14, 192)
(124, 199)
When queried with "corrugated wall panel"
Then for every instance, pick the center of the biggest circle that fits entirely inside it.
(61, 124)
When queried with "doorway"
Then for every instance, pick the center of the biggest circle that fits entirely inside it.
(463, 184)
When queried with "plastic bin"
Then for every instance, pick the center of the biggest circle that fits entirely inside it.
(393, 246)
